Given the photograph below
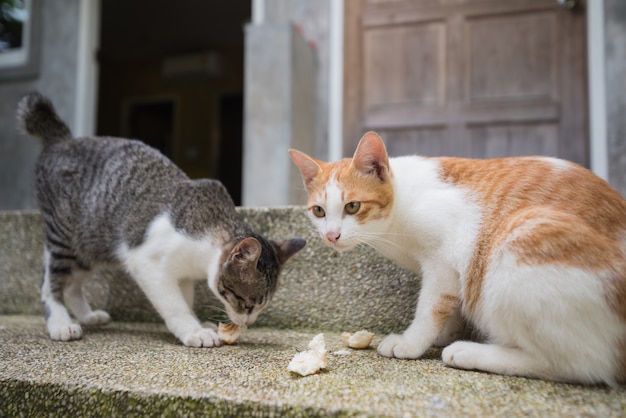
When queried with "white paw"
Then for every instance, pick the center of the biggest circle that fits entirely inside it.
(96, 318)
(461, 355)
(203, 337)
(395, 345)
(66, 332)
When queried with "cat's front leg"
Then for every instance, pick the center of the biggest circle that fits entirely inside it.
(437, 303)
(168, 298)
(182, 322)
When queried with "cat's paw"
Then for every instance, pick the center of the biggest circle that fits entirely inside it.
(461, 354)
(395, 345)
(95, 318)
(66, 332)
(204, 337)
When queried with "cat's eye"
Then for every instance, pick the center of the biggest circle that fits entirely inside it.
(318, 211)
(352, 207)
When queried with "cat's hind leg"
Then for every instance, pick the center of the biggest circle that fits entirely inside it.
(494, 358)
(547, 322)
(543, 304)
(74, 298)
(58, 322)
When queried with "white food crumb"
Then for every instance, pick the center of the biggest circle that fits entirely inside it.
(342, 352)
(310, 361)
(359, 339)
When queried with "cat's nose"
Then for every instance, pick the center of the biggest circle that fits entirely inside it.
(333, 236)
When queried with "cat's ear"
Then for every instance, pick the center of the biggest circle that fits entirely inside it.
(371, 157)
(309, 166)
(287, 248)
(247, 251)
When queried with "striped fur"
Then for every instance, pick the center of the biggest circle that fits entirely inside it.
(530, 250)
(118, 201)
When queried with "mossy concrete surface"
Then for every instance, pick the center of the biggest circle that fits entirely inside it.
(140, 369)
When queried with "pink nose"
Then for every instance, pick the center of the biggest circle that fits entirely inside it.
(333, 236)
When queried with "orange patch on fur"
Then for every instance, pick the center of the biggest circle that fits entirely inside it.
(375, 196)
(546, 212)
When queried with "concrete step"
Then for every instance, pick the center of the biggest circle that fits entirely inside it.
(135, 367)
(318, 289)
(140, 369)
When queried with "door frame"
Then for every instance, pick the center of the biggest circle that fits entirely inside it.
(86, 99)
(596, 89)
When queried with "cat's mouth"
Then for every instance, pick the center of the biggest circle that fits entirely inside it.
(340, 246)
(243, 320)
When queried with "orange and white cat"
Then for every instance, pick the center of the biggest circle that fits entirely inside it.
(531, 250)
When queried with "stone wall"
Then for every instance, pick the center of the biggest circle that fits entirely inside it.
(57, 79)
(279, 111)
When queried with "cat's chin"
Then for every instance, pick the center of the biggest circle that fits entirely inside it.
(340, 247)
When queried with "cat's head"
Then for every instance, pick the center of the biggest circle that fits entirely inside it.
(349, 200)
(248, 276)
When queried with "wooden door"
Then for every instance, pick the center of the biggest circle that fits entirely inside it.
(472, 78)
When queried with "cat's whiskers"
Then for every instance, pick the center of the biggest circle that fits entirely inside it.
(370, 239)
(385, 233)
(219, 314)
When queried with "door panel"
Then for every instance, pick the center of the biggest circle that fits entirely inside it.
(474, 78)
(519, 64)
(407, 73)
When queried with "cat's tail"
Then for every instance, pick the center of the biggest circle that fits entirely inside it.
(36, 116)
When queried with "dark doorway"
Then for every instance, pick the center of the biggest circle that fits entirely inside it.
(230, 144)
(150, 54)
(153, 123)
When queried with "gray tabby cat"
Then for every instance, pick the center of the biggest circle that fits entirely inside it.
(118, 201)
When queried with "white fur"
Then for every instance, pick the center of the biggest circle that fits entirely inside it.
(556, 163)
(335, 222)
(165, 266)
(436, 224)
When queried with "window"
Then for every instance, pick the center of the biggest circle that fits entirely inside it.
(19, 38)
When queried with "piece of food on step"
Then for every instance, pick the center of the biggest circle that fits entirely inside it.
(310, 361)
(229, 333)
(359, 339)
